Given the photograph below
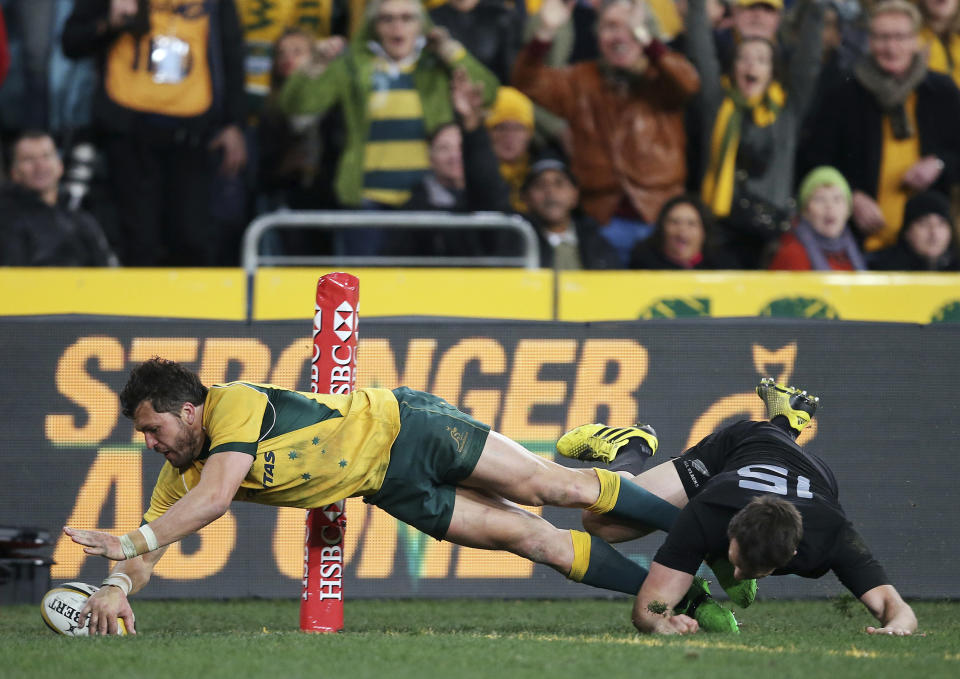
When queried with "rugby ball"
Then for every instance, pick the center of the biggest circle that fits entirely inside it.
(60, 609)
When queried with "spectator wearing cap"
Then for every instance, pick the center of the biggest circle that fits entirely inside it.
(683, 238)
(892, 130)
(822, 239)
(510, 123)
(751, 123)
(927, 241)
(625, 112)
(568, 238)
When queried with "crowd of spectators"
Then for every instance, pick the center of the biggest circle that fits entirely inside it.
(640, 134)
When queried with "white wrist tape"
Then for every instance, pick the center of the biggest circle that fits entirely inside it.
(129, 549)
(121, 580)
(147, 532)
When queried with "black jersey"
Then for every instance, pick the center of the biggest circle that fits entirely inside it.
(729, 468)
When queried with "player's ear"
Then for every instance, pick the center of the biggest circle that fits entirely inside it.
(188, 412)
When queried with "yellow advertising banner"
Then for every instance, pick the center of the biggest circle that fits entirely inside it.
(618, 295)
(288, 294)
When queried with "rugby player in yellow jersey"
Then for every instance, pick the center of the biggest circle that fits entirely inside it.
(408, 452)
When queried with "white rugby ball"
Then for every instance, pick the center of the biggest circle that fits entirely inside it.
(60, 609)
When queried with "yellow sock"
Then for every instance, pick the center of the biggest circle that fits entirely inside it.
(581, 555)
(609, 491)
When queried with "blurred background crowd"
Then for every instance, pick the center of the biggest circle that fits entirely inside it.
(632, 134)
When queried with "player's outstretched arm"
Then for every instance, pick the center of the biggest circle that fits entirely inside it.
(207, 501)
(661, 591)
(895, 615)
(110, 602)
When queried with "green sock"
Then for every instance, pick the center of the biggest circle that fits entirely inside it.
(605, 566)
(626, 500)
(639, 504)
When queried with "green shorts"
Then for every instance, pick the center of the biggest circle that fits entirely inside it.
(437, 447)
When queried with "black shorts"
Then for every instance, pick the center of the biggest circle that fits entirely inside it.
(437, 447)
(695, 467)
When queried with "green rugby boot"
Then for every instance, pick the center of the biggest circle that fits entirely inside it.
(709, 614)
(797, 406)
(602, 443)
(741, 592)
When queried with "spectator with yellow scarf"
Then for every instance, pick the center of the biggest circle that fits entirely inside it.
(941, 36)
(750, 128)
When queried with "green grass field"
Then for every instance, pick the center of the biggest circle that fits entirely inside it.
(589, 639)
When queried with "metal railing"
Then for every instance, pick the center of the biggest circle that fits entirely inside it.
(338, 219)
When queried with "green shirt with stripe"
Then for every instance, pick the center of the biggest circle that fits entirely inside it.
(396, 155)
(350, 81)
(309, 449)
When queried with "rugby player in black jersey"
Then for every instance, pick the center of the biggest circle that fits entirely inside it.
(749, 493)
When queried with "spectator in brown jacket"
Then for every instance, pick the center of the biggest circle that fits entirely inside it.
(625, 112)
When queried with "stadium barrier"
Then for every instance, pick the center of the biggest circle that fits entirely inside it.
(886, 426)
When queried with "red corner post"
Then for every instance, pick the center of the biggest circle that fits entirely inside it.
(333, 370)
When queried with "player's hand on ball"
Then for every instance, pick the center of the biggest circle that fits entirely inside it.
(104, 607)
(97, 543)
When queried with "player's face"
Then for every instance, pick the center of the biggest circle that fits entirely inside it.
(168, 434)
(740, 573)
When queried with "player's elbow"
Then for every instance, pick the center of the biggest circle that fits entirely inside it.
(215, 505)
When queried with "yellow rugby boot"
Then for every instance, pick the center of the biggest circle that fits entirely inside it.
(797, 406)
(600, 442)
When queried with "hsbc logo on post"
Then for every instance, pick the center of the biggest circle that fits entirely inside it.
(342, 356)
(344, 321)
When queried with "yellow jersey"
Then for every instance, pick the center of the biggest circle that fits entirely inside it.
(309, 449)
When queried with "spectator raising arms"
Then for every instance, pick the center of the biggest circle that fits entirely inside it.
(394, 93)
(684, 238)
(749, 131)
(821, 240)
(625, 112)
(510, 123)
(927, 241)
(892, 131)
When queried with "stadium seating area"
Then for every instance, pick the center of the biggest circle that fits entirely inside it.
(631, 134)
